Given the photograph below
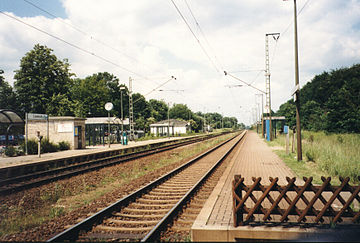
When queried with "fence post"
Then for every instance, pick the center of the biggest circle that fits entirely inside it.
(238, 215)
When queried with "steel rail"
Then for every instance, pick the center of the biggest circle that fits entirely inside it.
(154, 234)
(72, 233)
(24, 181)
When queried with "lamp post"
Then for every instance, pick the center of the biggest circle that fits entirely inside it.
(297, 88)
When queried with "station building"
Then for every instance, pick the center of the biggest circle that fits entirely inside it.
(58, 129)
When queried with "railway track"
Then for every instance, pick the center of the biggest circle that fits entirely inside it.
(17, 183)
(144, 214)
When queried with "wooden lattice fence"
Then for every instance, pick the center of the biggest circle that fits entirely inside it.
(293, 203)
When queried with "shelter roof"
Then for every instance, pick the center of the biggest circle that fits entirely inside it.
(171, 122)
(10, 117)
(105, 120)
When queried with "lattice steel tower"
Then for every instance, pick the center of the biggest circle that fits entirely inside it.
(131, 111)
(267, 77)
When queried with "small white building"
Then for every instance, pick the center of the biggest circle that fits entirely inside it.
(172, 127)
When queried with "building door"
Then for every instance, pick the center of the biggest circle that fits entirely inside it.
(79, 135)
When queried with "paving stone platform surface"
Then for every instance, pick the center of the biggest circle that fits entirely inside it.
(254, 159)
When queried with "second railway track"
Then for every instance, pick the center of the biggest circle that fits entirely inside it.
(17, 183)
(144, 214)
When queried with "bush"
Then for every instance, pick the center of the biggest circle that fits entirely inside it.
(64, 145)
(32, 146)
(47, 146)
(10, 151)
(310, 155)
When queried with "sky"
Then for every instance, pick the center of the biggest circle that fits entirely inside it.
(194, 41)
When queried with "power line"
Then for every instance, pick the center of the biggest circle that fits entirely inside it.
(84, 33)
(74, 46)
(172, 77)
(287, 28)
(202, 33)
(248, 84)
(192, 32)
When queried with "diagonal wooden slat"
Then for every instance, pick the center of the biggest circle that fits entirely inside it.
(263, 192)
(347, 204)
(248, 194)
(278, 199)
(313, 200)
(261, 199)
(332, 198)
(299, 193)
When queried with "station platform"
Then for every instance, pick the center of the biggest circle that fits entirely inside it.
(215, 220)
(27, 159)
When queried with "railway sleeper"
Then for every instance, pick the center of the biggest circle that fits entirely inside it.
(100, 228)
(109, 236)
(139, 216)
(179, 184)
(188, 215)
(146, 211)
(132, 223)
(159, 201)
(167, 189)
(162, 192)
(193, 210)
(151, 206)
(162, 197)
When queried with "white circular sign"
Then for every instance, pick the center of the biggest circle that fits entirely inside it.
(109, 106)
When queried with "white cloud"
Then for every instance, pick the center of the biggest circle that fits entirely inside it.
(150, 39)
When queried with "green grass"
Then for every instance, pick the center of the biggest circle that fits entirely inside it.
(335, 155)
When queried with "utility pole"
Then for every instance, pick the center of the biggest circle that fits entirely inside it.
(131, 111)
(297, 94)
(267, 78)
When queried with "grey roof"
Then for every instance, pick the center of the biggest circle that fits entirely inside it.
(10, 117)
(172, 122)
(105, 120)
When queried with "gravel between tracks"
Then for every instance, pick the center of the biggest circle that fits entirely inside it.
(29, 201)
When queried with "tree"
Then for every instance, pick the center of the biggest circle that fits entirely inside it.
(288, 110)
(330, 102)
(60, 105)
(158, 109)
(41, 75)
(180, 111)
(141, 106)
(7, 95)
(90, 96)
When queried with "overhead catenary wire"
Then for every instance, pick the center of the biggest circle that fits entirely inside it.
(197, 39)
(287, 28)
(248, 84)
(84, 33)
(76, 46)
(203, 35)
(172, 77)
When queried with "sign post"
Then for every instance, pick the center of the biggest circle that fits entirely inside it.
(108, 107)
(286, 132)
(34, 116)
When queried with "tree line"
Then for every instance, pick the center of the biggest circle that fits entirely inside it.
(330, 102)
(44, 84)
